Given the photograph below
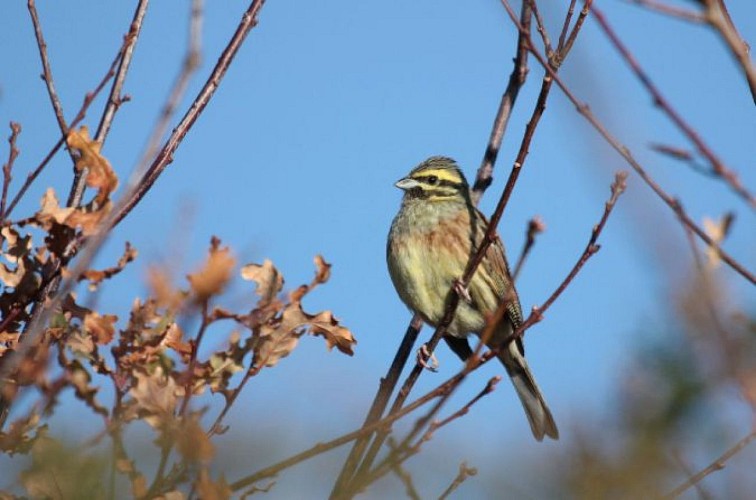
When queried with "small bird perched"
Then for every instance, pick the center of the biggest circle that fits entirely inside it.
(432, 238)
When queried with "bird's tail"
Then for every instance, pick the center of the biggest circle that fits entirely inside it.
(541, 422)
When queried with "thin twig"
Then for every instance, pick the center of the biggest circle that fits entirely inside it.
(406, 479)
(541, 28)
(165, 156)
(115, 99)
(535, 227)
(89, 97)
(189, 66)
(402, 452)
(717, 165)
(462, 475)
(719, 18)
(8, 166)
(618, 187)
(566, 26)
(484, 176)
(47, 74)
(385, 389)
(624, 151)
(702, 493)
(672, 11)
(715, 466)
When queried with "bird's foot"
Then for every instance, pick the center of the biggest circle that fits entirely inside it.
(462, 291)
(427, 359)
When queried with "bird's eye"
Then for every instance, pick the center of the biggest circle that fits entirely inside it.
(432, 180)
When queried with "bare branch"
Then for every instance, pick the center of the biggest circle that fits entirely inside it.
(717, 165)
(115, 99)
(47, 73)
(462, 475)
(715, 466)
(535, 227)
(672, 11)
(624, 151)
(484, 177)
(8, 166)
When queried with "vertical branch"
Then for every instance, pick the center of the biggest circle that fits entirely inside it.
(484, 177)
(114, 98)
(8, 166)
(47, 73)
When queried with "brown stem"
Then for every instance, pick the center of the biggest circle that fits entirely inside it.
(8, 167)
(484, 177)
(165, 156)
(672, 11)
(47, 73)
(719, 18)
(535, 227)
(115, 99)
(715, 466)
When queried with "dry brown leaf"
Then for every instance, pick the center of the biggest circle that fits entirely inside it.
(12, 277)
(212, 278)
(51, 211)
(269, 281)
(100, 174)
(102, 328)
(335, 335)
(162, 289)
(323, 272)
(193, 443)
(155, 395)
(207, 489)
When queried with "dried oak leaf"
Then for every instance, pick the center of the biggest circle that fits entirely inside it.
(100, 174)
(216, 272)
(323, 270)
(155, 395)
(51, 213)
(269, 281)
(102, 328)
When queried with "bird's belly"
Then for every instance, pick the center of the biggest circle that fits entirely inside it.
(426, 276)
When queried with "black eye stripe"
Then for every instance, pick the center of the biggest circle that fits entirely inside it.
(435, 181)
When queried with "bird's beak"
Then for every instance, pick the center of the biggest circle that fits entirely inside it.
(406, 184)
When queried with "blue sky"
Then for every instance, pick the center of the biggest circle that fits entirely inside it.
(325, 107)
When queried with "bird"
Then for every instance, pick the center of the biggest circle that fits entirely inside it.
(431, 240)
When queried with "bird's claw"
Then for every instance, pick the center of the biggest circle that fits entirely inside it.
(423, 358)
(462, 291)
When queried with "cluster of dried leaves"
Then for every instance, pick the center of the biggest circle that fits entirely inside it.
(152, 364)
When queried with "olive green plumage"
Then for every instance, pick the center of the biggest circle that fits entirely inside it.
(432, 238)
